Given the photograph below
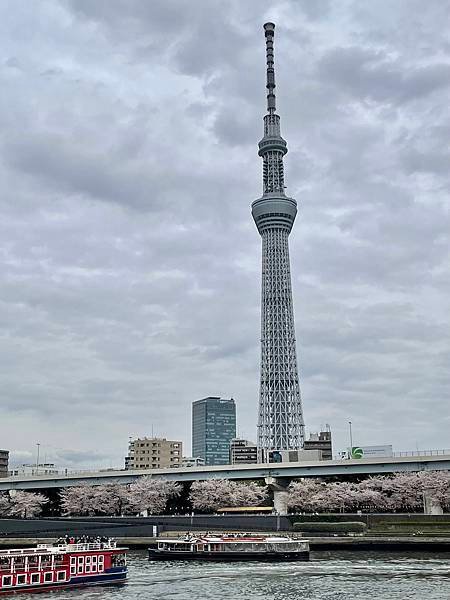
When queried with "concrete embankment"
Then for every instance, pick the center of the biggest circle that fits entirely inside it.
(362, 543)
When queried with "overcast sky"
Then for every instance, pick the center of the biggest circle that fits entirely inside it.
(130, 264)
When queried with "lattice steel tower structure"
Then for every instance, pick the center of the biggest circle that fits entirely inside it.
(280, 420)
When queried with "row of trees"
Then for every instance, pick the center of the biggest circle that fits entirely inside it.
(404, 491)
(151, 496)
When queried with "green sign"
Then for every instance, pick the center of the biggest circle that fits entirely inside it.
(357, 452)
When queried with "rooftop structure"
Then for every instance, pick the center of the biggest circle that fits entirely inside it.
(321, 441)
(243, 452)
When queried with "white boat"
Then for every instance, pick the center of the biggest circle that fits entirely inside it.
(230, 547)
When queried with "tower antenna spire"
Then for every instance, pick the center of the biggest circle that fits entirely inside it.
(269, 29)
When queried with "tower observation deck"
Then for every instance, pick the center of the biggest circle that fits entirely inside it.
(280, 419)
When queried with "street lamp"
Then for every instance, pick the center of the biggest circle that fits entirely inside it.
(351, 437)
(37, 458)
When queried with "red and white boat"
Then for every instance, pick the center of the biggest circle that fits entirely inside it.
(48, 567)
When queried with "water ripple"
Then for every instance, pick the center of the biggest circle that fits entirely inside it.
(328, 576)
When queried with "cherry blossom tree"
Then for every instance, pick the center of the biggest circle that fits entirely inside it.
(5, 505)
(210, 494)
(26, 504)
(247, 494)
(436, 485)
(113, 499)
(370, 496)
(336, 496)
(213, 494)
(150, 496)
(402, 491)
(302, 494)
(81, 500)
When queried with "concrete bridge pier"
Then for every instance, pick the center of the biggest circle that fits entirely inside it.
(280, 494)
(431, 506)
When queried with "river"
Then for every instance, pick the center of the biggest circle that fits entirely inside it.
(328, 576)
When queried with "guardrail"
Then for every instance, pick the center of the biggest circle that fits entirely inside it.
(37, 473)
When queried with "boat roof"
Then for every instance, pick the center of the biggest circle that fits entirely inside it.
(59, 549)
(246, 538)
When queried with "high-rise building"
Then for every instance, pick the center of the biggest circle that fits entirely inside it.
(4, 458)
(153, 453)
(280, 419)
(213, 428)
(243, 452)
(321, 441)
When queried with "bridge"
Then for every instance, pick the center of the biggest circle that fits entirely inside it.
(279, 473)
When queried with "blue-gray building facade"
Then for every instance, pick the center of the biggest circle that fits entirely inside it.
(213, 428)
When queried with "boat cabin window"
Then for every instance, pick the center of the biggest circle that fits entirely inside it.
(48, 577)
(46, 560)
(5, 563)
(35, 578)
(7, 580)
(101, 564)
(61, 576)
(21, 579)
(118, 560)
(80, 564)
(33, 562)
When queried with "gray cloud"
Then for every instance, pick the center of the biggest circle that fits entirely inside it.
(372, 75)
(129, 263)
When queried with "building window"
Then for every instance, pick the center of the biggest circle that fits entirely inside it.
(48, 577)
(61, 576)
(21, 579)
(35, 578)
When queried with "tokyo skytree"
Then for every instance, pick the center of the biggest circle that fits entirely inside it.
(280, 419)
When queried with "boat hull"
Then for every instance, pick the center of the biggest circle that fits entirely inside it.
(154, 554)
(76, 582)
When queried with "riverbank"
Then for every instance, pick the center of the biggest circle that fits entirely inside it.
(357, 543)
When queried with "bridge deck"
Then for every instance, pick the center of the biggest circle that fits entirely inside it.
(286, 471)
